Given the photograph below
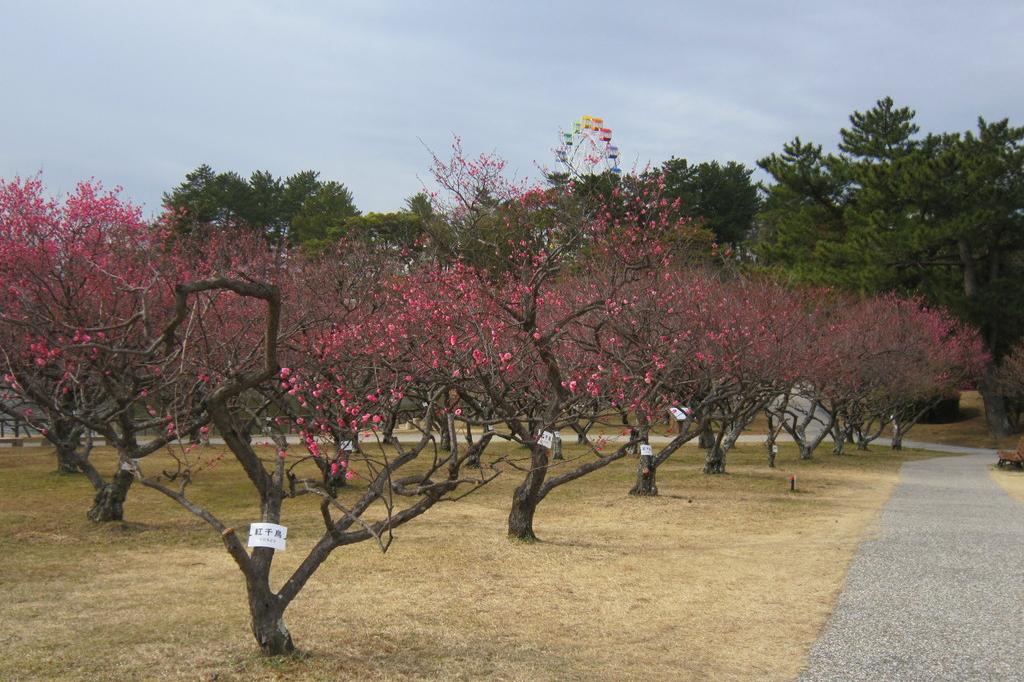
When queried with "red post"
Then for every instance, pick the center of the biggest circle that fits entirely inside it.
(792, 482)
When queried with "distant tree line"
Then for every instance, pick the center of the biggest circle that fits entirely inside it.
(939, 216)
(303, 210)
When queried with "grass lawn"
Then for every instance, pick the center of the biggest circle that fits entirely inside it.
(721, 577)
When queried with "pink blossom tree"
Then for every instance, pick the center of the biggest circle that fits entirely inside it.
(531, 344)
(891, 360)
(81, 323)
(749, 352)
(352, 376)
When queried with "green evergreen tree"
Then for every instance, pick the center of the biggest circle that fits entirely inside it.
(940, 215)
(296, 209)
(723, 197)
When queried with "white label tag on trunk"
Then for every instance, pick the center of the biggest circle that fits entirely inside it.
(775, 449)
(646, 450)
(546, 439)
(346, 446)
(680, 414)
(267, 535)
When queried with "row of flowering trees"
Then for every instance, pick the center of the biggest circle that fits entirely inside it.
(590, 314)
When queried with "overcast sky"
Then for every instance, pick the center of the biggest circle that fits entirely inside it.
(138, 93)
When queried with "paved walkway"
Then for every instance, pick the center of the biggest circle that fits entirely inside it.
(939, 594)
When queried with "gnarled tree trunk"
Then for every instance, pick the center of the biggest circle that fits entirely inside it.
(67, 460)
(714, 461)
(267, 614)
(646, 478)
(707, 438)
(526, 498)
(108, 505)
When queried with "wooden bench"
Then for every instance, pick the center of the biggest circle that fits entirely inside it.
(1012, 459)
(13, 441)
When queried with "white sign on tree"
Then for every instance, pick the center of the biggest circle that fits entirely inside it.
(680, 414)
(646, 450)
(546, 439)
(267, 535)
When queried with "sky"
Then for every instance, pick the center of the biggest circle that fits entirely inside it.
(137, 93)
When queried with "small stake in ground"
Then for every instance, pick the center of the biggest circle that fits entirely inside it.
(792, 483)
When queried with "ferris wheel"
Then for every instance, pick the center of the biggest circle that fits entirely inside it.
(587, 149)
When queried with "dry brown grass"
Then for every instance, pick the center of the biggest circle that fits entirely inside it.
(1010, 480)
(728, 578)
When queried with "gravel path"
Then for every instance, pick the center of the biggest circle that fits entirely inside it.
(939, 593)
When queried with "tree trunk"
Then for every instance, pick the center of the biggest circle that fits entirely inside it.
(268, 626)
(714, 461)
(520, 518)
(996, 414)
(108, 504)
(446, 439)
(581, 432)
(805, 451)
(527, 496)
(838, 438)
(67, 460)
(646, 478)
(706, 439)
(66, 438)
